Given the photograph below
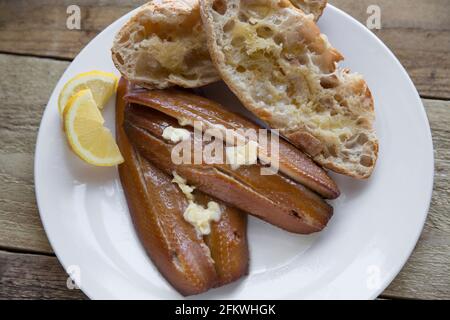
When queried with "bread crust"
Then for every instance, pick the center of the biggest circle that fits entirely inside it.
(164, 45)
(350, 147)
(314, 7)
(145, 55)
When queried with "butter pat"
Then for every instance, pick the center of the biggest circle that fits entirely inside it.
(181, 182)
(196, 214)
(184, 122)
(176, 134)
(201, 217)
(242, 155)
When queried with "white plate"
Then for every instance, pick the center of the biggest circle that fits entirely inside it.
(374, 229)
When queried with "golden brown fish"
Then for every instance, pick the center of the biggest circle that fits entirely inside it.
(273, 198)
(189, 263)
(227, 241)
(187, 108)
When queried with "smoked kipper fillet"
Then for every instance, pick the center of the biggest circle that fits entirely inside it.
(191, 264)
(187, 108)
(227, 242)
(273, 198)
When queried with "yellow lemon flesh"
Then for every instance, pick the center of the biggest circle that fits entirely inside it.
(87, 136)
(102, 85)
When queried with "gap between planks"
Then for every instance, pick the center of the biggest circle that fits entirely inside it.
(37, 284)
(423, 259)
(417, 31)
(37, 56)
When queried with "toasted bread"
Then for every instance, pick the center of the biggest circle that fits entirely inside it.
(164, 45)
(314, 7)
(274, 58)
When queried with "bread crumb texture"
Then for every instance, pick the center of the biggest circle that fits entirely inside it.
(274, 58)
(314, 7)
(163, 45)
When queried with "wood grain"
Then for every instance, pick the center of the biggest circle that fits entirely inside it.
(29, 276)
(426, 274)
(42, 29)
(418, 32)
(25, 87)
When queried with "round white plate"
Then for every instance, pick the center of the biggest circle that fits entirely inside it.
(374, 229)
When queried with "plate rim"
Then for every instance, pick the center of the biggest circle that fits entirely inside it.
(390, 276)
(394, 274)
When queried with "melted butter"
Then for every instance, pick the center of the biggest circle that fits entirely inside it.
(201, 217)
(197, 215)
(176, 134)
(181, 182)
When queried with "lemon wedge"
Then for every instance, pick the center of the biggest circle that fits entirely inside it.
(87, 136)
(102, 84)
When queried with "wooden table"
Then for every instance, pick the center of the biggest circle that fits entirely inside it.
(35, 49)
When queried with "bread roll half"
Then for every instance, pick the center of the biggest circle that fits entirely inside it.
(164, 45)
(274, 58)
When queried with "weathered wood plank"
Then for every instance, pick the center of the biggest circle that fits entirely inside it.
(40, 27)
(26, 277)
(417, 31)
(29, 276)
(24, 90)
(25, 87)
(426, 274)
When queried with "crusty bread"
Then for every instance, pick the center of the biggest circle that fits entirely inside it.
(164, 45)
(315, 7)
(273, 57)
